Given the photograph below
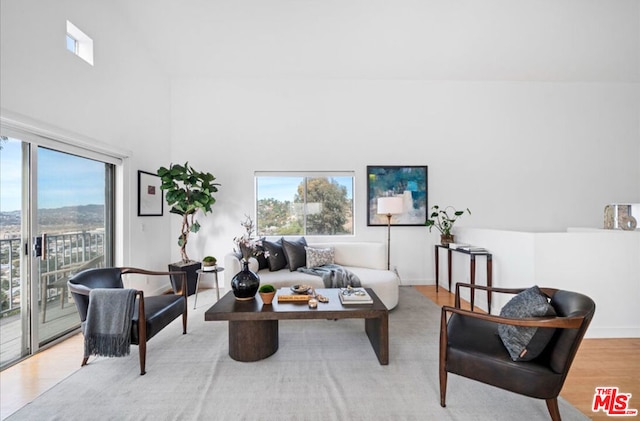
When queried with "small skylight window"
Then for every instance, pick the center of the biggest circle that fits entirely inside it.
(72, 44)
(79, 43)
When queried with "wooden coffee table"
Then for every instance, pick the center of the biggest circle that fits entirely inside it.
(253, 328)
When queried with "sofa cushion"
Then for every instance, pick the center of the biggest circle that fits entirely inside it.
(359, 254)
(526, 343)
(319, 256)
(295, 253)
(276, 258)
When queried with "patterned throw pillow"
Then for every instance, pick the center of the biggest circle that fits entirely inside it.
(319, 257)
(526, 343)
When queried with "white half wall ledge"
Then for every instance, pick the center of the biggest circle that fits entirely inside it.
(602, 264)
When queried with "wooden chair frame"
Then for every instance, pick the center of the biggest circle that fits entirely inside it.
(575, 322)
(142, 320)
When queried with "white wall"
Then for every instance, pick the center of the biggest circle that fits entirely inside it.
(121, 102)
(602, 264)
(526, 112)
(520, 155)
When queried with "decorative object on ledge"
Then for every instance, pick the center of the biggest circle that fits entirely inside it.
(620, 216)
(407, 182)
(267, 292)
(150, 201)
(443, 220)
(245, 283)
(389, 206)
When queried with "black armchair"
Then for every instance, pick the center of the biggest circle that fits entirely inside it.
(150, 315)
(471, 347)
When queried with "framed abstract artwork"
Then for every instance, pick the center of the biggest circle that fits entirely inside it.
(150, 197)
(407, 184)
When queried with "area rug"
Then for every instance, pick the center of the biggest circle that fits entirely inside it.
(323, 370)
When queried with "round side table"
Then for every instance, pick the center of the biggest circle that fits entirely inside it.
(215, 277)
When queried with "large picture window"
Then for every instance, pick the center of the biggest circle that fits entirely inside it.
(318, 203)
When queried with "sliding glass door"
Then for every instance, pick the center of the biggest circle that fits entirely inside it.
(56, 213)
(14, 321)
(71, 225)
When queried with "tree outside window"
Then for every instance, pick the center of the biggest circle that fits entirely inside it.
(304, 205)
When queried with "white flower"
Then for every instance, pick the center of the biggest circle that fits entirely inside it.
(246, 244)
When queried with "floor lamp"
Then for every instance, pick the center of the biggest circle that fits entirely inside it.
(390, 205)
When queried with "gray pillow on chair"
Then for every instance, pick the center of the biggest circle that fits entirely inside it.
(526, 343)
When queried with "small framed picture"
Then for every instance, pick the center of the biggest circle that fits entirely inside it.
(406, 186)
(150, 198)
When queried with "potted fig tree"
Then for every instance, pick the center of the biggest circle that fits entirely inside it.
(187, 192)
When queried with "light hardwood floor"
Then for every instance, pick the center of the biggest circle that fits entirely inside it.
(600, 362)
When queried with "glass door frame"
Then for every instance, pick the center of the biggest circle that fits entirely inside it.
(33, 136)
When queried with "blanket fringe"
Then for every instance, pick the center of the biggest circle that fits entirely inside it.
(107, 345)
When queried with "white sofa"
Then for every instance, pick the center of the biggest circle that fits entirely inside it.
(367, 260)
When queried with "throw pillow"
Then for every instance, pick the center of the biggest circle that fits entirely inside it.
(261, 258)
(526, 343)
(319, 257)
(294, 252)
(276, 259)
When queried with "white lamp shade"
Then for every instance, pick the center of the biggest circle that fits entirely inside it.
(391, 205)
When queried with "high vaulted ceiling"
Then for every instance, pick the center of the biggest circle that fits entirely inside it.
(383, 39)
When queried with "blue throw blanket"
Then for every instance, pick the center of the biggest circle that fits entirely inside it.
(333, 276)
(107, 330)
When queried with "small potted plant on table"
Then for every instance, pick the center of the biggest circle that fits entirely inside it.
(267, 292)
(443, 220)
(209, 263)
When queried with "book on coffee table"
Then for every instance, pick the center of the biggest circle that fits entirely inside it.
(293, 298)
(354, 296)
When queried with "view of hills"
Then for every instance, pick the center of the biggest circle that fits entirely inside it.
(80, 217)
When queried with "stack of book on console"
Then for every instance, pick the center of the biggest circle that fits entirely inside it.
(474, 249)
(350, 296)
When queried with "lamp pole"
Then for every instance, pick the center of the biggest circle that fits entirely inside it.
(388, 241)
(390, 205)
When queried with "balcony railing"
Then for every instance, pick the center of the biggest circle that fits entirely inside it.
(64, 254)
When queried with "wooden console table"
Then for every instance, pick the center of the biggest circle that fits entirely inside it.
(472, 278)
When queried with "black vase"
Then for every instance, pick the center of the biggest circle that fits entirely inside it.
(245, 283)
